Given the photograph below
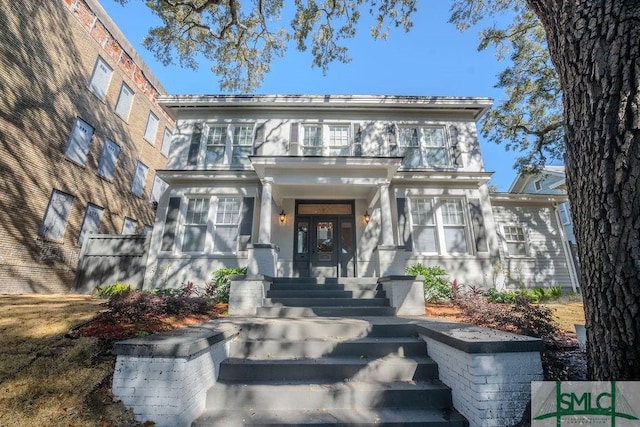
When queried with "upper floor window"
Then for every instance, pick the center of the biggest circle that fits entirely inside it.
(439, 226)
(78, 144)
(166, 142)
(537, 184)
(328, 140)
(515, 240)
(55, 217)
(423, 147)
(228, 144)
(108, 159)
(139, 178)
(159, 187)
(339, 140)
(125, 99)
(312, 140)
(151, 129)
(565, 216)
(100, 78)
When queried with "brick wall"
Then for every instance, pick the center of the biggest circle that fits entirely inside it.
(47, 57)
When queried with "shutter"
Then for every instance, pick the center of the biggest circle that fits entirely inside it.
(404, 227)
(294, 133)
(260, 133)
(194, 147)
(477, 221)
(357, 140)
(391, 136)
(456, 153)
(170, 225)
(246, 223)
(78, 144)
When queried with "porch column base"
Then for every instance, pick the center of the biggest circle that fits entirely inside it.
(405, 293)
(390, 260)
(247, 294)
(263, 259)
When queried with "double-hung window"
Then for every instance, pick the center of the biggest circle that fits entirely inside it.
(226, 225)
(216, 145)
(195, 225)
(242, 144)
(439, 226)
(338, 140)
(423, 147)
(312, 140)
(515, 240)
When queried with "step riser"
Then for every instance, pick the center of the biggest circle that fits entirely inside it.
(326, 302)
(325, 280)
(328, 287)
(406, 371)
(293, 330)
(317, 349)
(316, 397)
(313, 293)
(324, 311)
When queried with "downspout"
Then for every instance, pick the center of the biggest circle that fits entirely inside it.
(567, 251)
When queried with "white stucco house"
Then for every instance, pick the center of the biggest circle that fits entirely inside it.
(351, 186)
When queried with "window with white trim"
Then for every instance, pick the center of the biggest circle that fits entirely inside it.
(125, 99)
(166, 142)
(55, 217)
(129, 226)
(515, 239)
(100, 78)
(159, 186)
(139, 178)
(338, 140)
(439, 226)
(108, 159)
(423, 147)
(537, 184)
(228, 144)
(79, 140)
(151, 128)
(226, 224)
(565, 216)
(91, 222)
(311, 140)
(195, 225)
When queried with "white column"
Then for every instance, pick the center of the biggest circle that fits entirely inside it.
(386, 222)
(265, 212)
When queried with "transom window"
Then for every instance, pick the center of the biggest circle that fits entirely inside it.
(423, 147)
(195, 225)
(439, 226)
(515, 240)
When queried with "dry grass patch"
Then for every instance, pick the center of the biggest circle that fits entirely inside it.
(567, 314)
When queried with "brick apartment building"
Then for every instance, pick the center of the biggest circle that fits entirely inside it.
(81, 136)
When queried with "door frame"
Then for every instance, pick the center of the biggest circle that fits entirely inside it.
(303, 262)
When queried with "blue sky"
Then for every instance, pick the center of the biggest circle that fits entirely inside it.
(434, 58)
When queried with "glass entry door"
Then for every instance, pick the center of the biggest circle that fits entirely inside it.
(324, 246)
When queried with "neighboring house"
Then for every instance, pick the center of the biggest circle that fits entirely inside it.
(351, 186)
(81, 135)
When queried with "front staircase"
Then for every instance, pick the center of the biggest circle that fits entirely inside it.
(328, 352)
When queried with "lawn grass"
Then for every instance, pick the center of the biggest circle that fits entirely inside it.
(567, 313)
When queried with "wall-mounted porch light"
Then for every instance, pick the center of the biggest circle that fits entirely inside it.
(283, 217)
(367, 217)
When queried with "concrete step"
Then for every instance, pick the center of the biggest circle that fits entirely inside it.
(324, 311)
(327, 369)
(279, 396)
(333, 347)
(315, 293)
(325, 280)
(324, 287)
(354, 417)
(326, 302)
(324, 328)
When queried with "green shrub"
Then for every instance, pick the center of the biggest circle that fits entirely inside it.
(534, 295)
(218, 289)
(436, 285)
(107, 291)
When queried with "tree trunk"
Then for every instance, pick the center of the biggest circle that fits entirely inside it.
(595, 47)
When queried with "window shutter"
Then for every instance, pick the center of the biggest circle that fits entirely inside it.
(357, 140)
(477, 221)
(170, 224)
(194, 147)
(404, 227)
(260, 134)
(456, 152)
(391, 137)
(246, 223)
(79, 139)
(294, 133)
